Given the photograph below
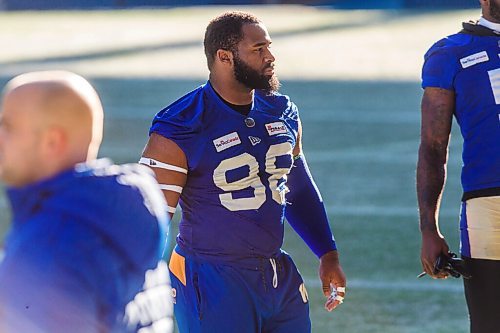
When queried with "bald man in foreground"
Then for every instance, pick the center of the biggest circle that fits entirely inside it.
(84, 251)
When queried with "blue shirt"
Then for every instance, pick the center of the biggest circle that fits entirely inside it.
(469, 64)
(234, 199)
(79, 248)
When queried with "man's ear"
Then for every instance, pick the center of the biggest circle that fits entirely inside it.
(54, 141)
(224, 57)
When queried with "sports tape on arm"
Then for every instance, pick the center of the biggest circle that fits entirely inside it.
(165, 187)
(173, 188)
(305, 210)
(160, 165)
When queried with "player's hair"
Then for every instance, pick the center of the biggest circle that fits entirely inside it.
(225, 32)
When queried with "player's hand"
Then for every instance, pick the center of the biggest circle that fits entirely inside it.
(332, 279)
(433, 245)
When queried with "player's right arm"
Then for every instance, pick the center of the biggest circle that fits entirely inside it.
(169, 164)
(437, 110)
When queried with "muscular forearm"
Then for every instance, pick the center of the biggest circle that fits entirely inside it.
(437, 111)
(431, 175)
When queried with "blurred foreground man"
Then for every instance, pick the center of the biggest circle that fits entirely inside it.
(231, 150)
(461, 77)
(86, 236)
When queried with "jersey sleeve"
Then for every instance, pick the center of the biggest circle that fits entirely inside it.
(440, 66)
(281, 106)
(181, 122)
(292, 118)
(39, 295)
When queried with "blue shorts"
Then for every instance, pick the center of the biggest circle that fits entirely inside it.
(256, 295)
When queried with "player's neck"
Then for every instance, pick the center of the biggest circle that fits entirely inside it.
(231, 90)
(489, 23)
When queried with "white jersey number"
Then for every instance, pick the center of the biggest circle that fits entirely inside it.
(252, 180)
(495, 83)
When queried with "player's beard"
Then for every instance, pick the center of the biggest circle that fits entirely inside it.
(252, 78)
(495, 10)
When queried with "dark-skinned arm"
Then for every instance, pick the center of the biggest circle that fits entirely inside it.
(166, 151)
(437, 109)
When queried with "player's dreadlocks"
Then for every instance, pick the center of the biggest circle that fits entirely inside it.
(225, 32)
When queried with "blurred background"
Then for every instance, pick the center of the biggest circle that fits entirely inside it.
(352, 67)
(346, 4)
(349, 4)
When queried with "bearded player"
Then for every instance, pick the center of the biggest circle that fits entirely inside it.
(231, 150)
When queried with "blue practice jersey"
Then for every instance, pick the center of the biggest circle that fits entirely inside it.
(234, 199)
(78, 252)
(469, 64)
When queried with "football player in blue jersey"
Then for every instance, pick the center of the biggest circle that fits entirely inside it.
(461, 78)
(230, 152)
(83, 254)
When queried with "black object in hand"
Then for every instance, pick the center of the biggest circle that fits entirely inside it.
(449, 263)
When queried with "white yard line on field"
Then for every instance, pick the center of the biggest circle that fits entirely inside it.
(396, 285)
(388, 211)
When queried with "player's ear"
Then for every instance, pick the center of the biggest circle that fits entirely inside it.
(224, 56)
(54, 141)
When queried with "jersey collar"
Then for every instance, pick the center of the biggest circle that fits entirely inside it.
(215, 97)
(488, 24)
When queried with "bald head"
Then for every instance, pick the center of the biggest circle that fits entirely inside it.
(60, 112)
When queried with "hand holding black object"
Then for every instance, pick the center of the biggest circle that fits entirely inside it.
(450, 264)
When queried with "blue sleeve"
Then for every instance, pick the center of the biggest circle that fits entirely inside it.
(291, 116)
(38, 296)
(66, 305)
(182, 122)
(440, 67)
(305, 210)
(175, 130)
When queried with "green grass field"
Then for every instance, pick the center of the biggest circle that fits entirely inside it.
(361, 135)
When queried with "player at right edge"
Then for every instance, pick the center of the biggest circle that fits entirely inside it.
(461, 78)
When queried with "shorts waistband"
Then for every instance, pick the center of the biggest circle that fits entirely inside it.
(248, 262)
(487, 192)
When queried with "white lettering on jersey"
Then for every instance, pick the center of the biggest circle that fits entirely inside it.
(277, 127)
(495, 83)
(276, 179)
(226, 141)
(278, 190)
(303, 293)
(474, 59)
(252, 180)
(152, 309)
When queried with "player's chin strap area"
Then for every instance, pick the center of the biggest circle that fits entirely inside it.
(275, 273)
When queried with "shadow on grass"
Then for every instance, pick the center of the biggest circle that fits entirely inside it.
(376, 20)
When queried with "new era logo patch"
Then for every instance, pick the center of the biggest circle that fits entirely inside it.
(226, 141)
(254, 140)
(277, 127)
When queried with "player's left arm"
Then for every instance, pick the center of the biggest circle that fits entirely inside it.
(306, 213)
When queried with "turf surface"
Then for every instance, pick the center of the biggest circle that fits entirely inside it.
(360, 138)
